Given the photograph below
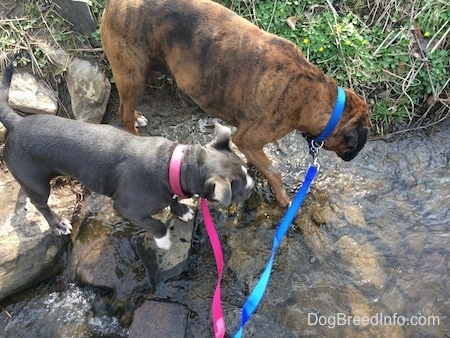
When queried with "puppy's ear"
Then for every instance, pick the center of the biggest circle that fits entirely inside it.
(219, 190)
(223, 135)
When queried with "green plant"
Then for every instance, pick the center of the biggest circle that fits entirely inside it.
(340, 47)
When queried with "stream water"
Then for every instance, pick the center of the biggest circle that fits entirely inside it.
(367, 256)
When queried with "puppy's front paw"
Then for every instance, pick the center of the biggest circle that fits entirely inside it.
(63, 228)
(164, 242)
(141, 120)
(188, 216)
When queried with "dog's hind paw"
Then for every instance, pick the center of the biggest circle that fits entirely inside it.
(188, 216)
(63, 228)
(141, 121)
(164, 242)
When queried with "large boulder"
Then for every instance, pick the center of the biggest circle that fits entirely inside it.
(78, 13)
(29, 252)
(110, 258)
(89, 90)
(88, 86)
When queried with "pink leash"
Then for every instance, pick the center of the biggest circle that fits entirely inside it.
(218, 321)
(175, 185)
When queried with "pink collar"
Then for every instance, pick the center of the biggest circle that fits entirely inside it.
(175, 171)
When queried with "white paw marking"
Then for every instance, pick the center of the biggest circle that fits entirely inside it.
(250, 181)
(141, 121)
(64, 228)
(189, 216)
(164, 242)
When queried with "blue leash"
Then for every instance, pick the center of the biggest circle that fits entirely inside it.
(255, 297)
(315, 144)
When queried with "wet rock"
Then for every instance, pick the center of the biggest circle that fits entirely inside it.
(106, 256)
(68, 313)
(362, 260)
(29, 252)
(111, 263)
(172, 262)
(158, 319)
(358, 303)
(354, 215)
(394, 300)
(30, 95)
(78, 13)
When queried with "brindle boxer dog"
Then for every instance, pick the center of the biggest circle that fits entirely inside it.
(257, 81)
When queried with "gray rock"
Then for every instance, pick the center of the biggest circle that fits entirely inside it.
(89, 90)
(78, 13)
(58, 56)
(172, 262)
(30, 95)
(29, 252)
(88, 87)
(158, 319)
(101, 256)
(108, 260)
(111, 263)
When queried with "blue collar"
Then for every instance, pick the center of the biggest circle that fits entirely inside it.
(335, 117)
(316, 143)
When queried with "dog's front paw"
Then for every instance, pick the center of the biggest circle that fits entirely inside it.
(141, 120)
(63, 228)
(188, 216)
(164, 242)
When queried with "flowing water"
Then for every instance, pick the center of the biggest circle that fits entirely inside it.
(367, 255)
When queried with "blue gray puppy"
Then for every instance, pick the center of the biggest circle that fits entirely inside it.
(132, 170)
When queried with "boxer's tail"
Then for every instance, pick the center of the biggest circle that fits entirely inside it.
(8, 117)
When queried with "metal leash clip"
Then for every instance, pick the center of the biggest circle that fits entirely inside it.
(314, 148)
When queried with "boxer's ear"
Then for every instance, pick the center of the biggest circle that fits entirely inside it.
(219, 190)
(223, 135)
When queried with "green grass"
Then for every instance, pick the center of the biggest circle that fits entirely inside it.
(394, 53)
